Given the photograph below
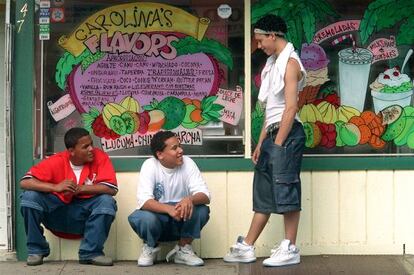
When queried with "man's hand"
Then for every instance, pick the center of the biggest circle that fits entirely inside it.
(185, 207)
(174, 213)
(66, 186)
(256, 153)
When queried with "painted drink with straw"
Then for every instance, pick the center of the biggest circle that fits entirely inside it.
(354, 68)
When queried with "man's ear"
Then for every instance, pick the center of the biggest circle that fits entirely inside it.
(159, 155)
(71, 151)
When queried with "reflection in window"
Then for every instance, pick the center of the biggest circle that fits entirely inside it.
(125, 71)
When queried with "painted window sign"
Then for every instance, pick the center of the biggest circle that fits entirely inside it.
(359, 86)
(134, 69)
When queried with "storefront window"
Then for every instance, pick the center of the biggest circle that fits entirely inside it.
(358, 57)
(126, 70)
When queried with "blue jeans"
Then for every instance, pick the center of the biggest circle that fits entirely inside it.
(155, 227)
(276, 182)
(90, 217)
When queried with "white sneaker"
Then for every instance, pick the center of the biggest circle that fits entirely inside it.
(185, 255)
(240, 253)
(285, 254)
(148, 255)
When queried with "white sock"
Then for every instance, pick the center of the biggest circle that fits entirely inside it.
(244, 243)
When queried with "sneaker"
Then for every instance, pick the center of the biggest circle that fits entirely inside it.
(98, 260)
(34, 259)
(284, 254)
(240, 253)
(184, 255)
(148, 255)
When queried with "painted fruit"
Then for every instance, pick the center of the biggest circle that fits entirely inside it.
(391, 114)
(187, 122)
(174, 110)
(157, 120)
(131, 120)
(144, 120)
(117, 124)
(408, 128)
(109, 110)
(395, 129)
(338, 140)
(313, 134)
(350, 134)
(410, 141)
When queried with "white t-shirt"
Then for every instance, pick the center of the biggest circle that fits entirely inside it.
(77, 169)
(169, 185)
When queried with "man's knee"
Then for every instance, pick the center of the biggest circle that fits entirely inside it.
(30, 195)
(201, 212)
(32, 199)
(143, 220)
(105, 204)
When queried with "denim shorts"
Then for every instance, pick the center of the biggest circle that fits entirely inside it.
(276, 183)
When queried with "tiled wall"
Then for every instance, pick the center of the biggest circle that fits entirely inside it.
(353, 212)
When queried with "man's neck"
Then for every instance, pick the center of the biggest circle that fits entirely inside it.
(76, 162)
(280, 45)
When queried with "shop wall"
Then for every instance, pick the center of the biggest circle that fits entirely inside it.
(3, 208)
(344, 212)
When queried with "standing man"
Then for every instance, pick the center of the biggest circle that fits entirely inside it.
(172, 198)
(278, 155)
(70, 193)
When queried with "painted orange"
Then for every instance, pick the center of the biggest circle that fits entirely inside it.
(186, 100)
(376, 142)
(357, 120)
(197, 103)
(196, 115)
(365, 134)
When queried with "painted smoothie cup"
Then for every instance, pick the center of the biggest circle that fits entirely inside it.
(354, 68)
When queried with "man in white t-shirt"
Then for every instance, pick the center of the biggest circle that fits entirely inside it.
(172, 198)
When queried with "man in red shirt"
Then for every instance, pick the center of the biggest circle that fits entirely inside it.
(70, 193)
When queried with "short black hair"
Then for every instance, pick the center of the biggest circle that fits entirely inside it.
(73, 135)
(271, 23)
(158, 141)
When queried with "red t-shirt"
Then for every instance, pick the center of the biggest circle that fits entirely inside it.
(57, 168)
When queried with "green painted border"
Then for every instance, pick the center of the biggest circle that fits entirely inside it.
(308, 164)
(23, 109)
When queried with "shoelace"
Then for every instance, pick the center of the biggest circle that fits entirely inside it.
(188, 251)
(276, 251)
(148, 250)
(171, 253)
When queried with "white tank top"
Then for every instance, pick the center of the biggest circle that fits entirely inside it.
(275, 105)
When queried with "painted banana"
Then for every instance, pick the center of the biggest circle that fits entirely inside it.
(110, 110)
(130, 104)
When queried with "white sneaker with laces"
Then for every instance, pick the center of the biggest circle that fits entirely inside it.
(284, 254)
(148, 255)
(184, 255)
(240, 253)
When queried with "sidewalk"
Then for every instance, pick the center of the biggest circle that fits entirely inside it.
(310, 265)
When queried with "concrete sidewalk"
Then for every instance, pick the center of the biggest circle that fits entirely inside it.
(310, 265)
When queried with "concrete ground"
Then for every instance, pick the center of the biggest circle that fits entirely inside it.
(310, 265)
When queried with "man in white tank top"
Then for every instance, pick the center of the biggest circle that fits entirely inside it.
(278, 154)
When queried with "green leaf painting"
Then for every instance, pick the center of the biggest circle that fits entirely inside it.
(301, 16)
(190, 45)
(65, 66)
(406, 34)
(382, 14)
